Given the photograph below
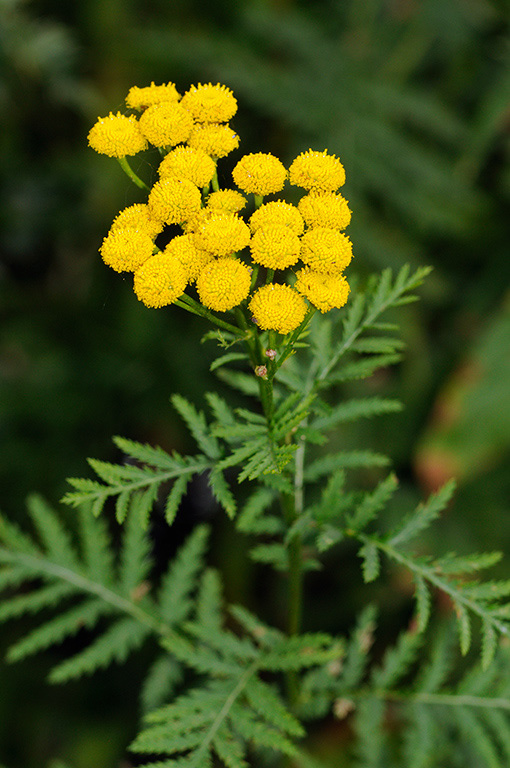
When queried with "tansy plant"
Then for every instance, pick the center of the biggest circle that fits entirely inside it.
(224, 687)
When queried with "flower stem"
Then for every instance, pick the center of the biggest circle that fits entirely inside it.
(289, 347)
(295, 589)
(132, 175)
(187, 302)
(254, 275)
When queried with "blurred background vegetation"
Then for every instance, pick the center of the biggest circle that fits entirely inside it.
(414, 97)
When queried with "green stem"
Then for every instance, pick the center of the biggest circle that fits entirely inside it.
(266, 396)
(132, 175)
(289, 347)
(254, 275)
(295, 589)
(188, 303)
(257, 357)
(214, 182)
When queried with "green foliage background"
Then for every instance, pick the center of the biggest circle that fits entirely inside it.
(414, 98)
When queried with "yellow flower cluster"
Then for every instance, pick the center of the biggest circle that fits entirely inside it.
(117, 136)
(218, 254)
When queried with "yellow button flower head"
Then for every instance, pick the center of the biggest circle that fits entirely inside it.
(275, 246)
(160, 281)
(326, 250)
(174, 201)
(166, 124)
(222, 234)
(124, 250)
(210, 103)
(117, 136)
(325, 209)
(214, 139)
(223, 284)
(184, 249)
(278, 308)
(137, 217)
(259, 173)
(318, 171)
(188, 163)
(141, 98)
(322, 290)
(277, 212)
(226, 201)
(193, 224)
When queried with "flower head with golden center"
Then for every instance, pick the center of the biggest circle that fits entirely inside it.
(318, 171)
(275, 246)
(226, 201)
(325, 209)
(260, 173)
(188, 163)
(223, 284)
(173, 201)
(277, 212)
(141, 98)
(277, 308)
(160, 280)
(204, 214)
(214, 139)
(137, 216)
(124, 250)
(322, 290)
(166, 124)
(210, 103)
(117, 136)
(326, 250)
(221, 234)
(184, 249)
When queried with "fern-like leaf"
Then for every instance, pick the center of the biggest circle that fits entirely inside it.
(88, 588)
(485, 600)
(237, 707)
(152, 470)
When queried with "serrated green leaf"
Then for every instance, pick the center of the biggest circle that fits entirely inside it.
(197, 425)
(221, 410)
(423, 516)
(422, 596)
(243, 382)
(228, 358)
(271, 554)
(464, 627)
(354, 409)
(397, 660)
(46, 597)
(159, 684)
(343, 460)
(180, 579)
(53, 631)
(371, 562)
(154, 456)
(121, 505)
(135, 562)
(489, 644)
(221, 491)
(174, 498)
(380, 345)
(54, 537)
(115, 644)
(372, 503)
